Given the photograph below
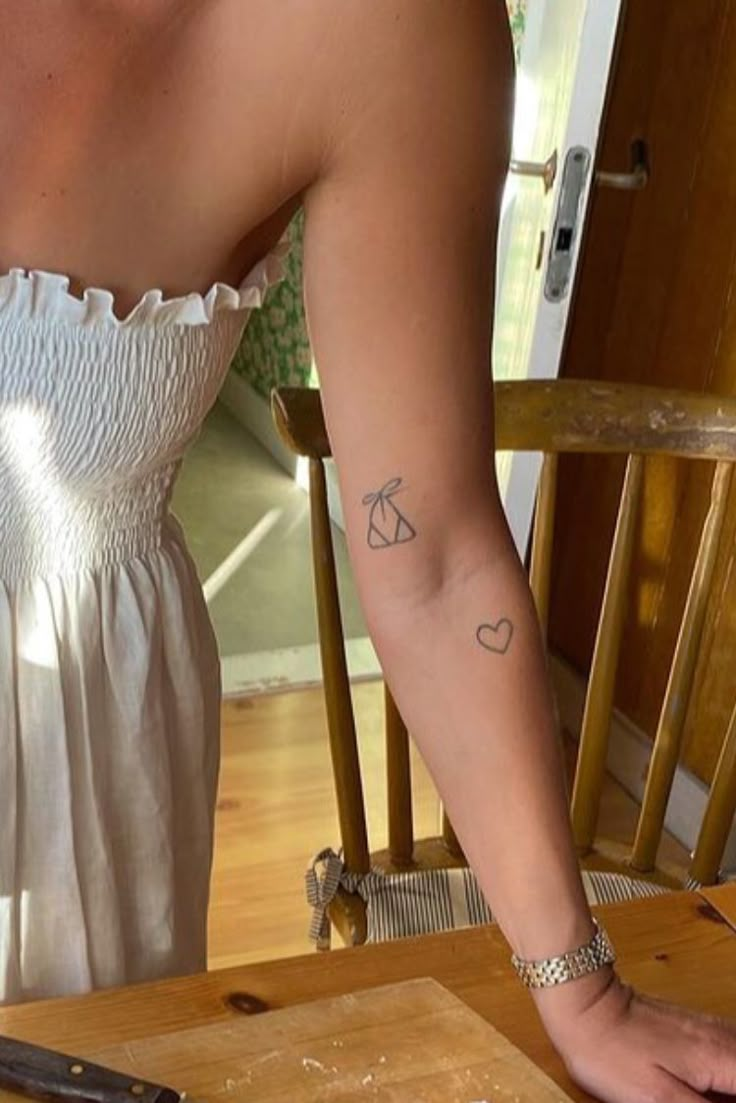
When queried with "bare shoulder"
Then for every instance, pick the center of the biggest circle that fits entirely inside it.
(412, 65)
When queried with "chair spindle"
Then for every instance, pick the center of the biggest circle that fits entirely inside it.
(452, 843)
(398, 784)
(540, 571)
(340, 717)
(591, 764)
(719, 813)
(668, 739)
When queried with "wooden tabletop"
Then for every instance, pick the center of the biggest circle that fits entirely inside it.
(680, 947)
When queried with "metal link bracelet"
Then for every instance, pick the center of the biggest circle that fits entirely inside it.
(577, 963)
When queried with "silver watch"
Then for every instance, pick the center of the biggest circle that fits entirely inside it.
(557, 970)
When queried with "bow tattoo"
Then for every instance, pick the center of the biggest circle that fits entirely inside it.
(387, 525)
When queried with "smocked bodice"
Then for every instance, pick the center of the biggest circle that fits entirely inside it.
(96, 412)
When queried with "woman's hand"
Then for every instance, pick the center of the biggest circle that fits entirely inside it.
(627, 1048)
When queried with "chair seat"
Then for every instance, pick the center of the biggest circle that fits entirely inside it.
(399, 905)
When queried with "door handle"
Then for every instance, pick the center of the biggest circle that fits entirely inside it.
(635, 180)
(545, 170)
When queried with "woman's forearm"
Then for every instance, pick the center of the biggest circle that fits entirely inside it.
(467, 667)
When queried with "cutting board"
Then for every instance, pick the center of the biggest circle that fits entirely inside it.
(405, 1043)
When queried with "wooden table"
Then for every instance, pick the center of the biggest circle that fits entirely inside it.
(680, 947)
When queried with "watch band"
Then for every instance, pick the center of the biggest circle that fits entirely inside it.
(557, 970)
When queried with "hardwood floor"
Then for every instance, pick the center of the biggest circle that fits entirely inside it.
(277, 809)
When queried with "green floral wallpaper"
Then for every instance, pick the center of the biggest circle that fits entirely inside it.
(517, 18)
(275, 348)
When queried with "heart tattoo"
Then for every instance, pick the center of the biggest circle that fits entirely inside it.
(496, 637)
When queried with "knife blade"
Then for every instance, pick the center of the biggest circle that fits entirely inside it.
(41, 1073)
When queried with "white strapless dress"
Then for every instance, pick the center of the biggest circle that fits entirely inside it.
(109, 672)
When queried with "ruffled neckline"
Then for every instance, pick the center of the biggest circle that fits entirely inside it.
(41, 295)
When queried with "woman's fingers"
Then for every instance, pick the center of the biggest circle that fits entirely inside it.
(705, 1053)
(637, 1084)
(724, 1060)
(668, 1089)
(717, 1060)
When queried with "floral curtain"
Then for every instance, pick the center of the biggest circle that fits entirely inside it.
(275, 348)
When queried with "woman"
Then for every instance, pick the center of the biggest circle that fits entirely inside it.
(166, 144)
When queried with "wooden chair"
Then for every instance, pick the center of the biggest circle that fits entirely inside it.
(550, 417)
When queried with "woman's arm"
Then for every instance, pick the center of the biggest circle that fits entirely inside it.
(399, 266)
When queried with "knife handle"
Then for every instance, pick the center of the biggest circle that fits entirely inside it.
(44, 1074)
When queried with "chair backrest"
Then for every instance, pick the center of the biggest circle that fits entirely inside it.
(551, 417)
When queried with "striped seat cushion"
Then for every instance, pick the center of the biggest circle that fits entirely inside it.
(426, 901)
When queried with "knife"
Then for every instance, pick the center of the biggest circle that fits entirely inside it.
(45, 1074)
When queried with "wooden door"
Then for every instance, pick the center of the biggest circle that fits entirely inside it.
(656, 304)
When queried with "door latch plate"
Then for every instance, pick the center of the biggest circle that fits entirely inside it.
(567, 222)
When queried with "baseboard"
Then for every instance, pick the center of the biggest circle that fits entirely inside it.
(628, 760)
(254, 414)
(292, 668)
